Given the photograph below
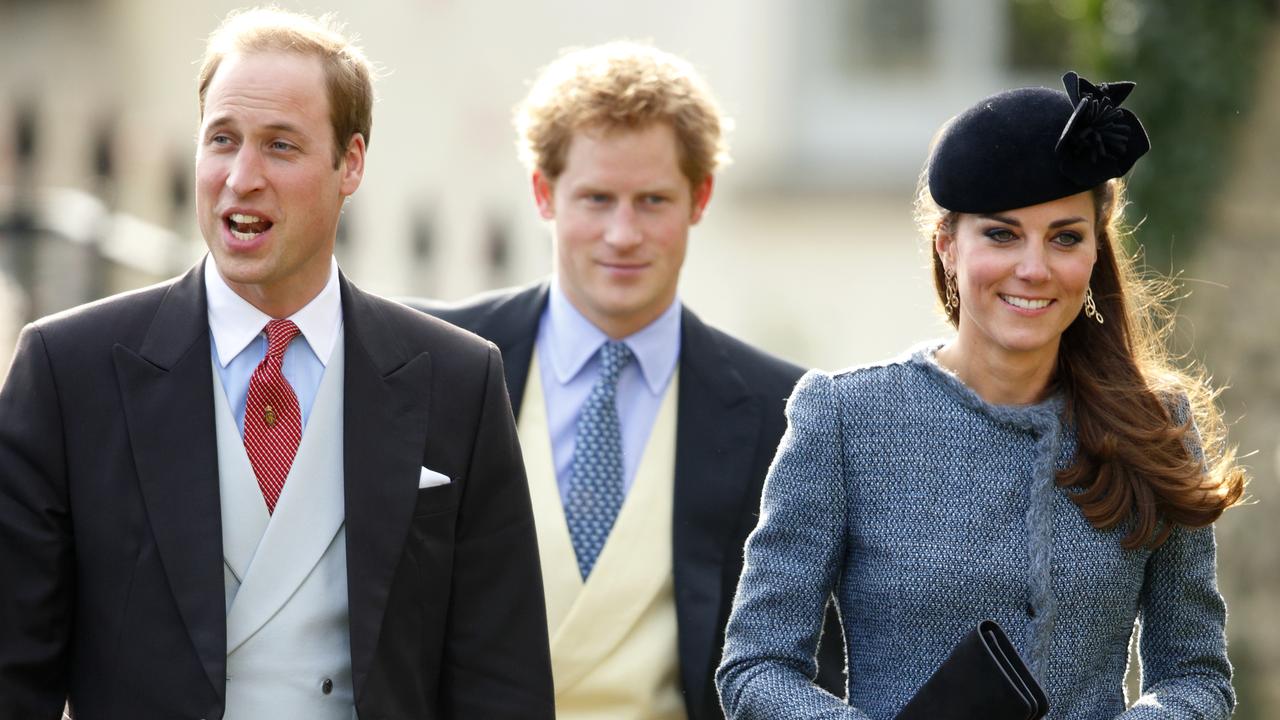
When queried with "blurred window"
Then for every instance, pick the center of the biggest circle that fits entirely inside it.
(874, 79)
(887, 36)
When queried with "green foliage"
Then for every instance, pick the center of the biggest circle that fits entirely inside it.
(1195, 62)
(1043, 39)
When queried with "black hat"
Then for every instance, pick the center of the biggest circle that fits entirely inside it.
(1032, 145)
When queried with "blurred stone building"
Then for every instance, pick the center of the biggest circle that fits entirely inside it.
(834, 101)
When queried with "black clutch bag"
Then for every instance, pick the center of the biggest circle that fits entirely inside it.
(982, 678)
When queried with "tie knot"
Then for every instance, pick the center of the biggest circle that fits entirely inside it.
(279, 333)
(614, 356)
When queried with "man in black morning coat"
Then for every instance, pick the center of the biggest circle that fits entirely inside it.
(396, 572)
(622, 141)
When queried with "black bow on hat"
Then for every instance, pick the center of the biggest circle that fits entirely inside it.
(1031, 145)
(1095, 145)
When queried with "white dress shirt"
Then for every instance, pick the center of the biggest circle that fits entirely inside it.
(237, 340)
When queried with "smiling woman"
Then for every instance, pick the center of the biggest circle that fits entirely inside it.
(1048, 467)
(1021, 277)
(1136, 412)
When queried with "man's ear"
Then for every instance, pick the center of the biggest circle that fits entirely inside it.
(352, 165)
(701, 196)
(544, 195)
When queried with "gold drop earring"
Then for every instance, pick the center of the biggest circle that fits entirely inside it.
(1090, 307)
(953, 296)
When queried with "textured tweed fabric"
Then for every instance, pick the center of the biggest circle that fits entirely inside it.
(926, 510)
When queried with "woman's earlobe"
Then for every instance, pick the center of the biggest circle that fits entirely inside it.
(942, 241)
(944, 257)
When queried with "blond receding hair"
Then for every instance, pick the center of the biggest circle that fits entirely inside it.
(348, 73)
(620, 85)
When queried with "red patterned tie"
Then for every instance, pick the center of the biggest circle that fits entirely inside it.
(272, 420)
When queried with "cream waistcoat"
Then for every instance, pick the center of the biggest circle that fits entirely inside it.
(613, 639)
(285, 575)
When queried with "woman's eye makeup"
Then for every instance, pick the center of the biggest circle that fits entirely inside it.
(1004, 234)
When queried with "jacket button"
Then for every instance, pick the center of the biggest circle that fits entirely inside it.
(326, 687)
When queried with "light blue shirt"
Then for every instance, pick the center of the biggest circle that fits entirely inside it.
(568, 354)
(237, 341)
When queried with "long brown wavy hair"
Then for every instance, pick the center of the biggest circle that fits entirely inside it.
(1151, 440)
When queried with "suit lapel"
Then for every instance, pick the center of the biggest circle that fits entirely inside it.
(512, 325)
(167, 391)
(386, 401)
(718, 427)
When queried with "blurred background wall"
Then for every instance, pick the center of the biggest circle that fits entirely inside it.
(808, 248)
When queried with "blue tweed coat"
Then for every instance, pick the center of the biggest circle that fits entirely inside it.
(927, 510)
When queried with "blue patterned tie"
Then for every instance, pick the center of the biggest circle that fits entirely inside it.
(595, 477)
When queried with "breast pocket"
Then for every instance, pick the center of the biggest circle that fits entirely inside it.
(436, 500)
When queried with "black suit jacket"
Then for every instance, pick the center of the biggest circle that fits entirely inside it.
(111, 567)
(730, 417)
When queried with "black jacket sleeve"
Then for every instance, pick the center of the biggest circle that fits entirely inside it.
(36, 549)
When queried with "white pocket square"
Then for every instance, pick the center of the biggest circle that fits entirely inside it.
(431, 478)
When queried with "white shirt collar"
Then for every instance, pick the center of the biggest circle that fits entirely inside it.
(575, 340)
(235, 323)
